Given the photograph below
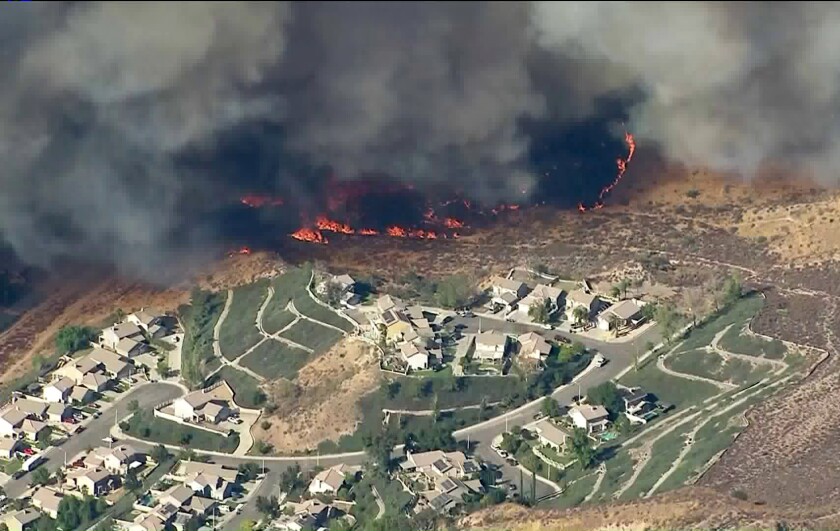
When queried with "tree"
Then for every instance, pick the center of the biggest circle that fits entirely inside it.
(290, 478)
(378, 449)
(159, 453)
(72, 338)
(45, 435)
(454, 291)
(511, 442)
(581, 314)
(581, 448)
(666, 316)
(131, 482)
(482, 408)
(247, 525)
(539, 313)
(693, 300)
(334, 291)
(38, 362)
(40, 476)
(163, 368)
(270, 507)
(607, 395)
(649, 311)
(622, 424)
(249, 471)
(732, 290)
(133, 406)
(393, 389)
(614, 321)
(550, 407)
(435, 409)
(623, 284)
(4, 527)
(615, 292)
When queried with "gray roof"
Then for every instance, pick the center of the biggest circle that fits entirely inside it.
(591, 413)
(580, 297)
(14, 417)
(491, 338)
(62, 384)
(125, 329)
(625, 309)
(549, 431)
(547, 292)
(113, 362)
(26, 516)
(507, 284)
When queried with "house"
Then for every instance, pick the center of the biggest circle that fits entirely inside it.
(539, 295)
(200, 506)
(591, 418)
(627, 313)
(550, 434)
(99, 362)
(397, 325)
(8, 447)
(11, 421)
(417, 358)
(208, 479)
(150, 523)
(330, 480)
(31, 429)
(95, 482)
(77, 369)
(490, 346)
(118, 459)
(114, 365)
(177, 496)
(32, 408)
(149, 321)
(58, 412)
(81, 395)
(450, 464)
(534, 346)
(113, 334)
(59, 390)
(386, 302)
(129, 347)
(580, 298)
(500, 286)
(96, 382)
(24, 520)
(202, 405)
(47, 500)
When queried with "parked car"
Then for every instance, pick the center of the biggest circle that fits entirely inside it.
(512, 462)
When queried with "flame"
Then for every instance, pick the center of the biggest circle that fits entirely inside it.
(323, 223)
(243, 250)
(368, 232)
(452, 223)
(308, 235)
(259, 201)
(396, 231)
(622, 168)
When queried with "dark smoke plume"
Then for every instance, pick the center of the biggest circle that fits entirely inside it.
(105, 105)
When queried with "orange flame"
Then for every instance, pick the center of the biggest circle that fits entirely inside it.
(368, 232)
(259, 201)
(333, 226)
(622, 168)
(396, 231)
(452, 223)
(631, 145)
(243, 250)
(309, 235)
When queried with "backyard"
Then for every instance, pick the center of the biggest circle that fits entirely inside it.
(144, 425)
(317, 337)
(239, 332)
(246, 389)
(308, 307)
(286, 287)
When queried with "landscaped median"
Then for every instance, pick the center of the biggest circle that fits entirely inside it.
(144, 425)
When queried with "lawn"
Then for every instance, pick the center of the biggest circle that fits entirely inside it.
(395, 499)
(273, 359)
(418, 393)
(663, 454)
(678, 391)
(574, 494)
(713, 366)
(239, 330)
(278, 321)
(619, 470)
(735, 341)
(739, 312)
(144, 425)
(308, 307)
(286, 287)
(245, 387)
(317, 337)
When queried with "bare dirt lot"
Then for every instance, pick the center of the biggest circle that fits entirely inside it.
(322, 403)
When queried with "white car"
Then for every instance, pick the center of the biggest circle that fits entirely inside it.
(599, 360)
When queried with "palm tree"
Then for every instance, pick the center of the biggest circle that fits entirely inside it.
(623, 285)
(613, 320)
(580, 313)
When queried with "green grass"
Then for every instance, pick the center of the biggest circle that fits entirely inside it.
(317, 337)
(13, 465)
(739, 312)
(418, 393)
(239, 330)
(734, 341)
(279, 320)
(273, 359)
(712, 365)
(286, 287)
(663, 454)
(395, 499)
(308, 307)
(678, 391)
(574, 494)
(144, 425)
(199, 319)
(619, 470)
(245, 387)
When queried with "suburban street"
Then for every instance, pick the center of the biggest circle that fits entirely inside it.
(620, 356)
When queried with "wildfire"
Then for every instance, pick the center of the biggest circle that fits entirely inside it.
(308, 235)
(368, 232)
(259, 201)
(243, 250)
(333, 226)
(397, 232)
(622, 168)
(452, 223)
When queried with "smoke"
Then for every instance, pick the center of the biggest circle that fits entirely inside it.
(104, 102)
